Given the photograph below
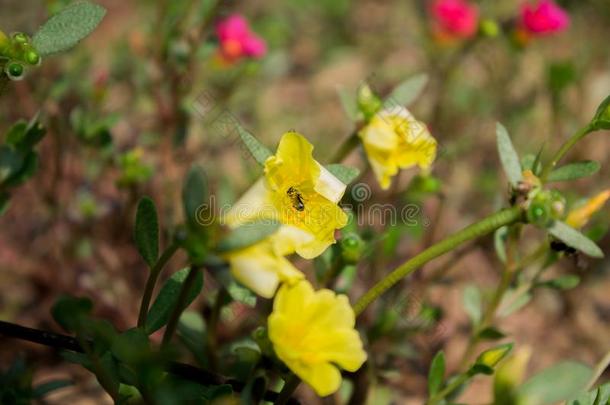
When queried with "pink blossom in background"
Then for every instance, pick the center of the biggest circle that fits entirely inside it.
(455, 18)
(237, 41)
(543, 18)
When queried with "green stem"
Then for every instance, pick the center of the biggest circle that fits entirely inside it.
(483, 227)
(152, 281)
(180, 305)
(599, 370)
(290, 385)
(455, 384)
(564, 149)
(345, 149)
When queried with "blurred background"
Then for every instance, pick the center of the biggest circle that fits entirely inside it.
(134, 105)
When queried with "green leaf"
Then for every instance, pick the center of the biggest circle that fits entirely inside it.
(4, 202)
(346, 174)
(349, 104)
(406, 92)
(566, 282)
(557, 383)
(500, 243)
(66, 28)
(195, 196)
(70, 311)
(45, 388)
(436, 373)
(472, 303)
(598, 396)
(146, 231)
(512, 303)
(491, 333)
(247, 235)
(575, 239)
(602, 116)
(259, 152)
(131, 346)
(575, 171)
(508, 155)
(167, 299)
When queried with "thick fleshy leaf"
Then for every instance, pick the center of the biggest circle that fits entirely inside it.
(259, 152)
(161, 309)
(146, 231)
(472, 303)
(195, 196)
(346, 174)
(247, 235)
(408, 91)
(436, 374)
(508, 155)
(66, 28)
(575, 239)
(574, 171)
(557, 383)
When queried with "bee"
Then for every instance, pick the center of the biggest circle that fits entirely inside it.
(296, 198)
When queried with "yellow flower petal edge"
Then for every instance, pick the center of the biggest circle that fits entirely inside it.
(300, 193)
(394, 140)
(262, 266)
(313, 333)
(578, 217)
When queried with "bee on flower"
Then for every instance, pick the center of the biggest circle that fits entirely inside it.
(298, 192)
(313, 333)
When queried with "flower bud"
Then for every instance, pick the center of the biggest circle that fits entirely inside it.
(492, 357)
(539, 211)
(32, 57)
(368, 102)
(489, 28)
(352, 247)
(14, 70)
(20, 38)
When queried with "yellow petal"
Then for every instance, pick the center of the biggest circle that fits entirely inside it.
(329, 186)
(254, 205)
(394, 139)
(577, 218)
(292, 164)
(259, 268)
(313, 333)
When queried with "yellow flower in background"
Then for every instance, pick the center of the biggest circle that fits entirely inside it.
(298, 192)
(263, 266)
(578, 217)
(313, 334)
(394, 140)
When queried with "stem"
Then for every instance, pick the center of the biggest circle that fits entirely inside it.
(212, 340)
(152, 281)
(483, 227)
(180, 305)
(564, 149)
(455, 384)
(290, 385)
(64, 342)
(346, 148)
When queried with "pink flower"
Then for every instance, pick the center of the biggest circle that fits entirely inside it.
(543, 18)
(237, 41)
(455, 18)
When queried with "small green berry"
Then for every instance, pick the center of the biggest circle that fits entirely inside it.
(352, 248)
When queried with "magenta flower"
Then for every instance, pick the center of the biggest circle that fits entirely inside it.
(455, 18)
(543, 18)
(237, 41)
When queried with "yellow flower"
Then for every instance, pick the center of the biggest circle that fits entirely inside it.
(578, 217)
(298, 192)
(393, 140)
(263, 266)
(313, 334)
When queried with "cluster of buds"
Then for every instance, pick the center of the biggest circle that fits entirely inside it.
(17, 52)
(541, 206)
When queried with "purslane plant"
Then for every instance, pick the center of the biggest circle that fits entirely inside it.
(309, 334)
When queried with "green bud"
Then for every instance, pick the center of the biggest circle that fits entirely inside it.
(368, 102)
(558, 205)
(20, 38)
(492, 357)
(425, 184)
(352, 247)
(540, 209)
(14, 71)
(4, 41)
(32, 58)
(602, 116)
(490, 28)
